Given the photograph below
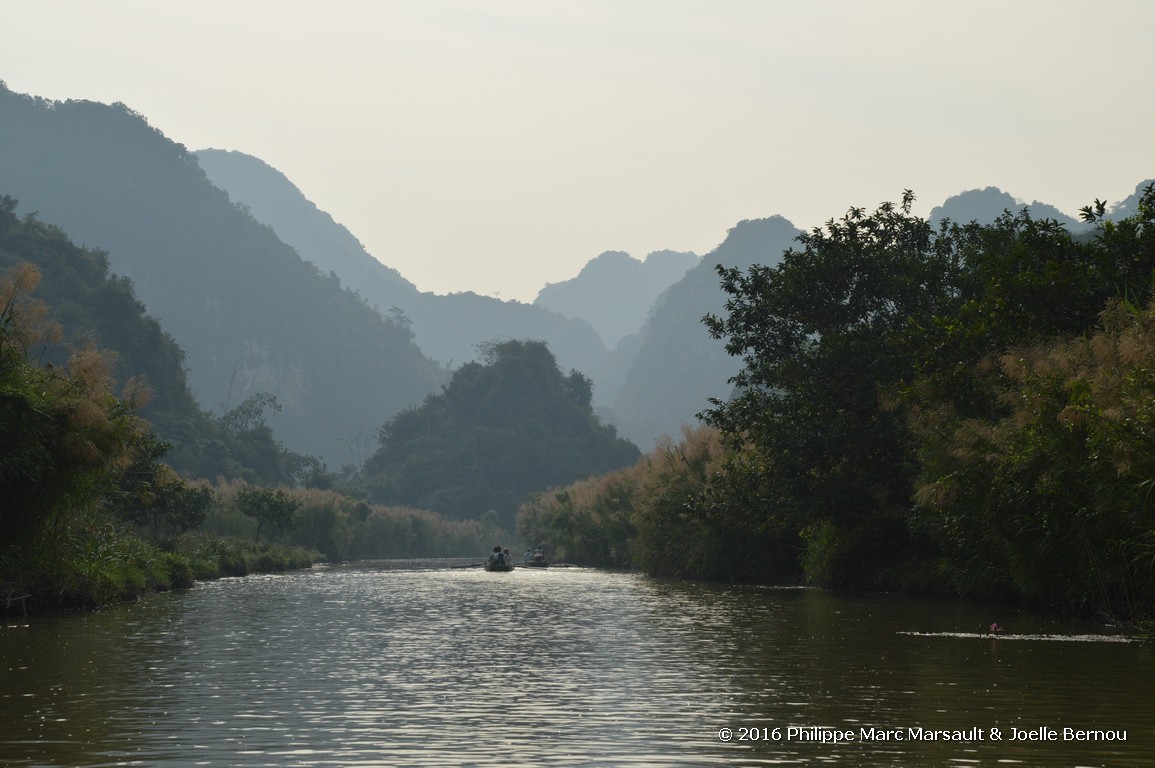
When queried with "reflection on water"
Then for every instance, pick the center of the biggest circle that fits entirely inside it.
(424, 664)
(1019, 636)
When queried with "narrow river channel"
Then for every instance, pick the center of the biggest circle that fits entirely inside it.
(419, 663)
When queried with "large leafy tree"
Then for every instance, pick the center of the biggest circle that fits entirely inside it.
(877, 318)
(822, 336)
(1043, 494)
(268, 507)
(153, 496)
(63, 433)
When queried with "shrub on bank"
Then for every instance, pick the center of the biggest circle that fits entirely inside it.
(88, 567)
(98, 565)
(212, 557)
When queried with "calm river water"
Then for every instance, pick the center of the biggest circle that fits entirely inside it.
(422, 664)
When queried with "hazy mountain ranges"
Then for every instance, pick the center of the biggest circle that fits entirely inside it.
(274, 201)
(987, 204)
(659, 373)
(653, 365)
(254, 282)
(614, 291)
(249, 313)
(447, 328)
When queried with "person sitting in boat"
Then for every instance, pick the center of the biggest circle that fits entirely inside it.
(539, 554)
(527, 556)
(496, 557)
(506, 557)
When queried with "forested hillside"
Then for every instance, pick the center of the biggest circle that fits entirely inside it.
(449, 328)
(92, 305)
(503, 428)
(274, 201)
(85, 306)
(959, 410)
(251, 315)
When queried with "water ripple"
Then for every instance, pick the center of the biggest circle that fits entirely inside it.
(403, 664)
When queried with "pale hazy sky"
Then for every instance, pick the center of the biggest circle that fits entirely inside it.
(497, 145)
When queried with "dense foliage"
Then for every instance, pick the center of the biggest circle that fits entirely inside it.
(962, 409)
(661, 515)
(500, 430)
(339, 527)
(86, 305)
(65, 442)
(93, 508)
(63, 434)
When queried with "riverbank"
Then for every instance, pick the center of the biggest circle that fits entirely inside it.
(103, 567)
(106, 567)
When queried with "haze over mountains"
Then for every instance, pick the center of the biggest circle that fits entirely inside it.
(251, 315)
(447, 328)
(987, 204)
(615, 291)
(267, 293)
(677, 366)
(660, 373)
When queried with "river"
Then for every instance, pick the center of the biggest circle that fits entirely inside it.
(420, 663)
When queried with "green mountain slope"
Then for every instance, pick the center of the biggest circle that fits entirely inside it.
(449, 328)
(91, 308)
(92, 305)
(677, 366)
(251, 315)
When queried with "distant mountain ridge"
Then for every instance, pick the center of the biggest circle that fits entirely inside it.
(677, 367)
(275, 201)
(987, 204)
(264, 292)
(614, 291)
(449, 329)
(251, 315)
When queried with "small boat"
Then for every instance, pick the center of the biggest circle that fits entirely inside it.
(497, 566)
(536, 564)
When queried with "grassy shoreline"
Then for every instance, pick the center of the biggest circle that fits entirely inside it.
(84, 573)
